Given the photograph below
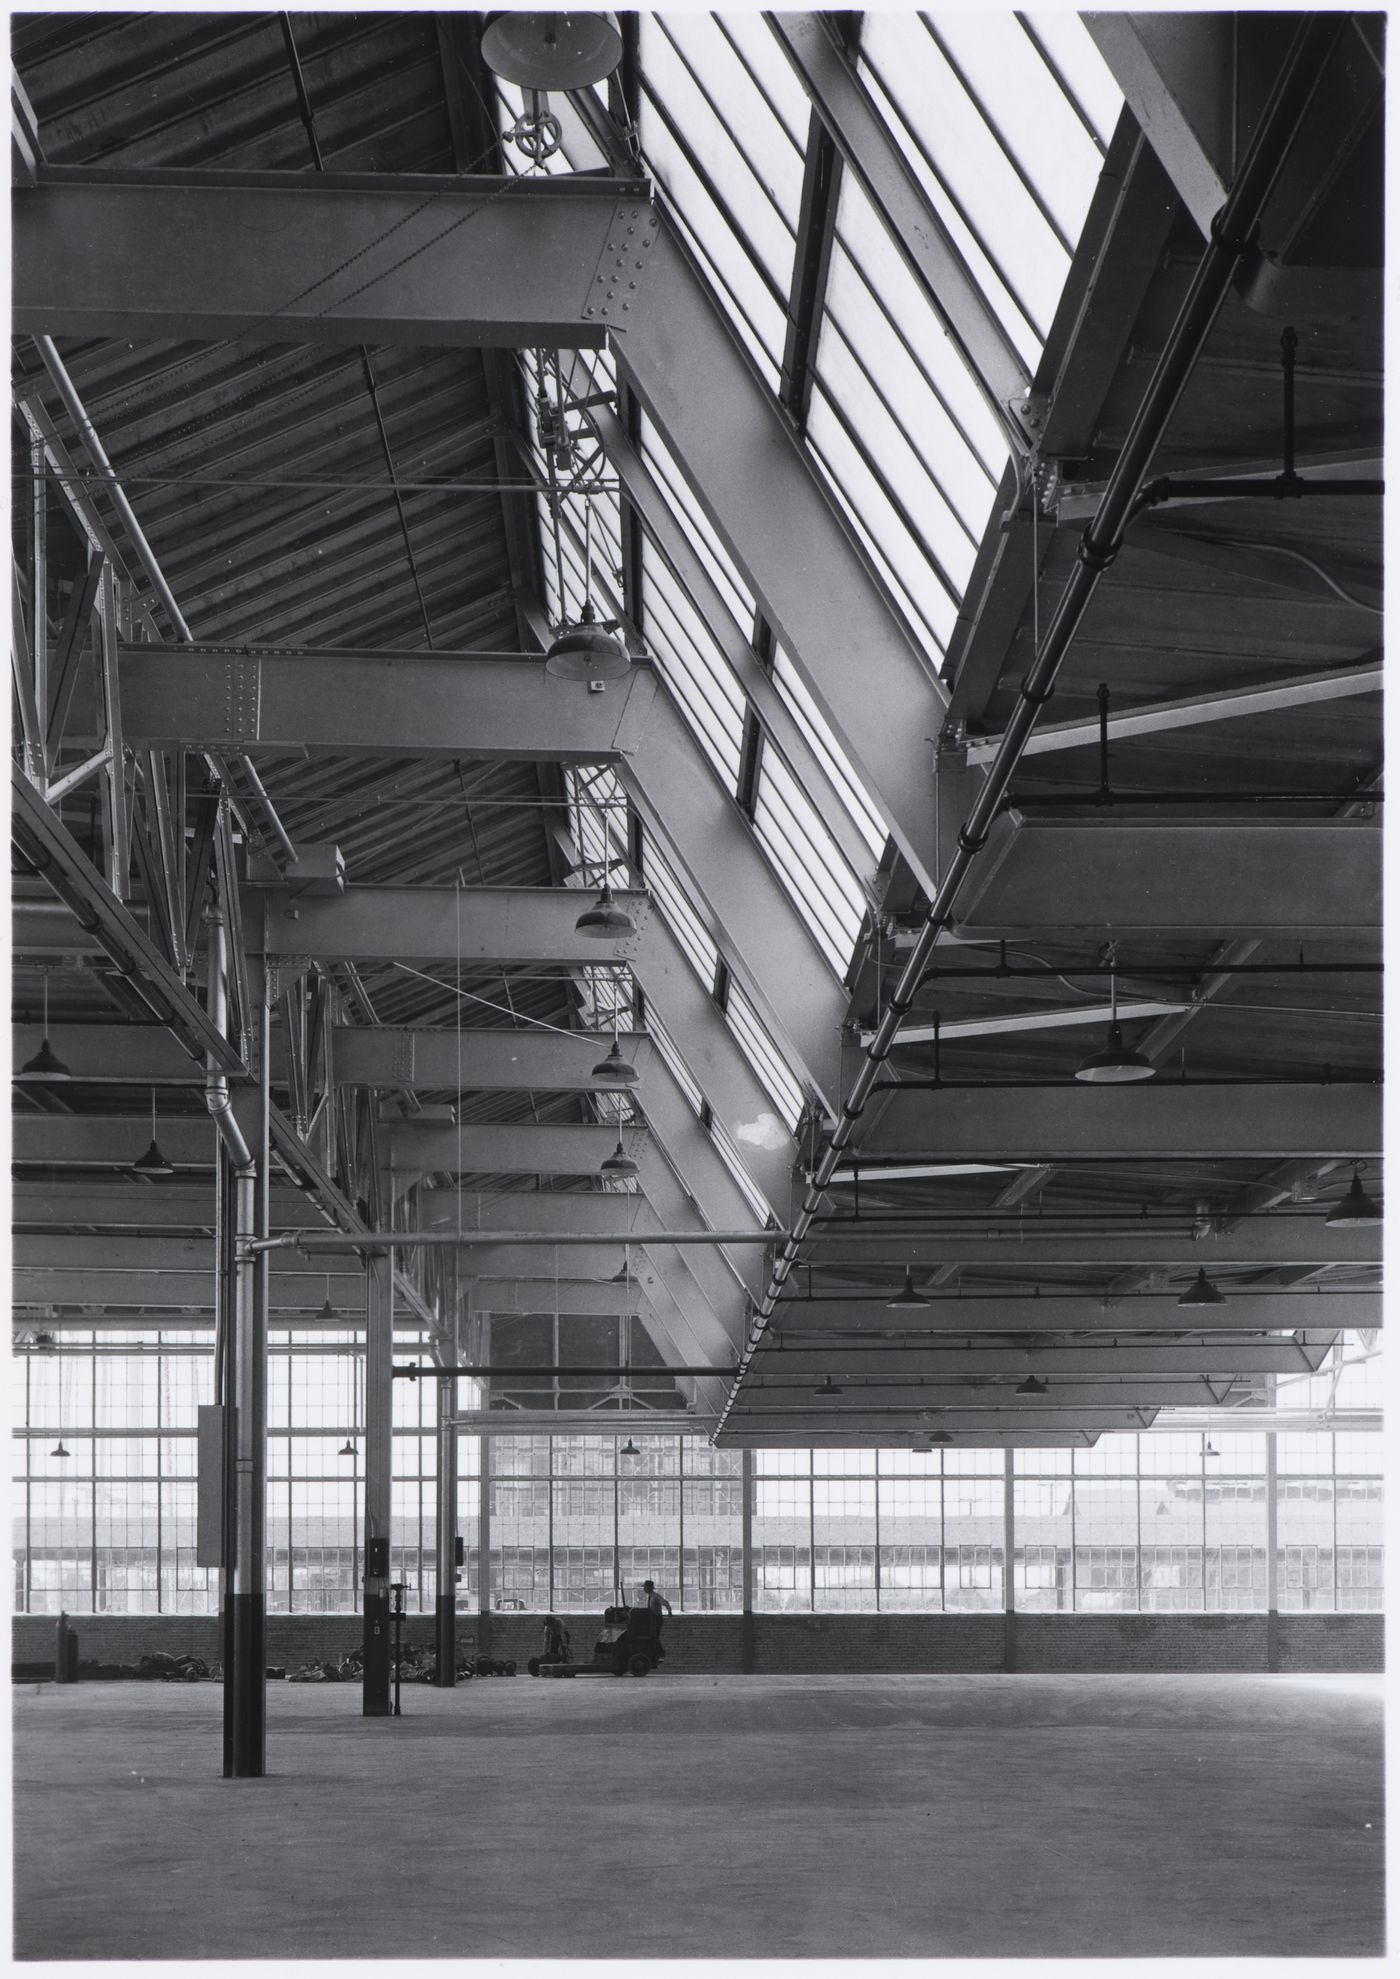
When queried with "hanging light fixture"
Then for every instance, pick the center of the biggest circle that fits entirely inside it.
(586, 652)
(629, 1449)
(1033, 1385)
(347, 1449)
(619, 1162)
(551, 51)
(1200, 1292)
(46, 1063)
(153, 1162)
(908, 1300)
(328, 1312)
(605, 920)
(1356, 1210)
(1115, 1065)
(828, 1387)
(615, 1070)
(59, 1450)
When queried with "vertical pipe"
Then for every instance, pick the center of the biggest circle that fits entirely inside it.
(446, 1534)
(1271, 1545)
(226, 1376)
(483, 1549)
(746, 1631)
(245, 1400)
(379, 1487)
(1008, 1560)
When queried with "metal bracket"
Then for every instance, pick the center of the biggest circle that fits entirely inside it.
(617, 278)
(242, 698)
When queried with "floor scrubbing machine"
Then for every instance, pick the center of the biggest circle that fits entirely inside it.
(629, 1646)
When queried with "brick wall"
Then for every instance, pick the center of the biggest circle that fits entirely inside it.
(796, 1644)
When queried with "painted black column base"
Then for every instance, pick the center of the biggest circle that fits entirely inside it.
(378, 1655)
(446, 1641)
(245, 1689)
(746, 1642)
(1008, 1639)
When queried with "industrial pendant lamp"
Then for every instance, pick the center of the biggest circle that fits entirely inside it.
(907, 1300)
(1033, 1385)
(59, 1450)
(605, 920)
(328, 1312)
(828, 1387)
(629, 1449)
(153, 1162)
(46, 1063)
(347, 1449)
(586, 652)
(615, 1070)
(551, 51)
(1200, 1292)
(619, 1162)
(1356, 1209)
(1115, 1065)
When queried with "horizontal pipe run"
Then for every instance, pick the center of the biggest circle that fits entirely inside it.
(408, 1240)
(429, 1371)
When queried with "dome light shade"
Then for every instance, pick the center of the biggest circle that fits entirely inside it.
(1115, 1065)
(347, 1449)
(615, 1070)
(586, 652)
(1355, 1210)
(1033, 1385)
(152, 1162)
(629, 1449)
(605, 920)
(828, 1387)
(45, 1064)
(907, 1300)
(619, 1162)
(58, 1449)
(1200, 1292)
(551, 51)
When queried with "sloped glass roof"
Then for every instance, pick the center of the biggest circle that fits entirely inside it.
(1003, 119)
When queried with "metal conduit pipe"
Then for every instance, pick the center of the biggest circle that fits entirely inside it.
(77, 412)
(1231, 235)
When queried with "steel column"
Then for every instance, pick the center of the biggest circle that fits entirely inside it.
(446, 1533)
(379, 1463)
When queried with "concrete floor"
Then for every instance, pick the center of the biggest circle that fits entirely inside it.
(683, 1817)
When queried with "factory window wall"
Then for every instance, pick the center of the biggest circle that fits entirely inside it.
(1154, 1523)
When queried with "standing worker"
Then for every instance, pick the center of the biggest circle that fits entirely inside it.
(654, 1603)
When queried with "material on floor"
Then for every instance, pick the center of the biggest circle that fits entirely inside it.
(729, 1817)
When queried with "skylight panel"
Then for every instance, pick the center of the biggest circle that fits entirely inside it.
(942, 536)
(742, 289)
(681, 917)
(885, 315)
(1037, 124)
(756, 1042)
(705, 690)
(996, 284)
(743, 1181)
(928, 609)
(772, 73)
(1067, 45)
(675, 1064)
(791, 831)
(793, 691)
(716, 559)
(741, 145)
